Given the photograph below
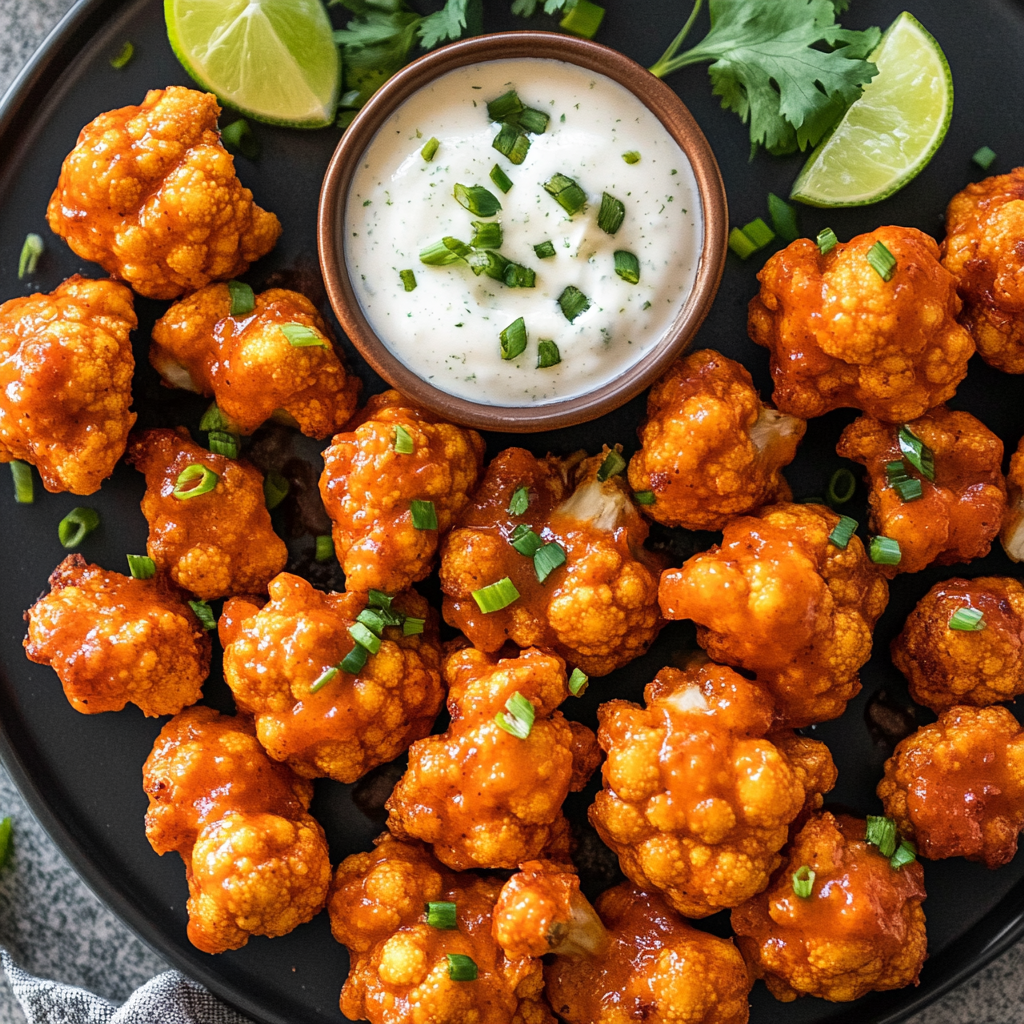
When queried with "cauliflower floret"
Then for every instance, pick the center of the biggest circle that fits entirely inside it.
(599, 610)
(481, 794)
(778, 598)
(255, 859)
(698, 798)
(112, 639)
(655, 967)
(216, 543)
(840, 335)
(368, 484)
(1012, 535)
(956, 788)
(250, 366)
(401, 966)
(66, 369)
(274, 658)
(150, 194)
(946, 666)
(861, 930)
(982, 250)
(711, 448)
(959, 514)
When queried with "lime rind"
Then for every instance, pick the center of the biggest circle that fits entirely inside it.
(876, 149)
(272, 60)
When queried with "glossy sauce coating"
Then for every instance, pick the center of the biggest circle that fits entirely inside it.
(599, 610)
(1012, 535)
(112, 639)
(150, 194)
(368, 487)
(214, 544)
(66, 382)
(956, 787)
(960, 513)
(274, 655)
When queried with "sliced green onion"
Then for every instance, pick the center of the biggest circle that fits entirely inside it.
(896, 471)
(532, 120)
(583, 19)
(429, 149)
(31, 250)
(6, 828)
(122, 59)
(548, 559)
(984, 158)
(632, 157)
(222, 443)
(275, 489)
(613, 464)
(24, 487)
(364, 637)
(783, 218)
(881, 832)
(803, 881)
(76, 526)
(627, 266)
(408, 280)
(477, 199)
(441, 254)
(487, 234)
(301, 336)
(412, 626)
(519, 502)
(517, 276)
(545, 250)
(906, 853)
(827, 241)
(491, 263)
(213, 420)
(885, 551)
(500, 178)
(204, 613)
(513, 339)
(842, 531)
(841, 487)
(910, 489)
(567, 193)
(243, 299)
(442, 916)
(142, 567)
(324, 678)
(740, 244)
(547, 354)
(403, 443)
(573, 302)
(525, 541)
(461, 967)
(512, 143)
(578, 682)
(238, 136)
(519, 720)
(917, 453)
(324, 548)
(378, 599)
(968, 620)
(354, 662)
(643, 497)
(882, 261)
(373, 620)
(424, 515)
(505, 106)
(611, 215)
(207, 481)
(496, 596)
(758, 232)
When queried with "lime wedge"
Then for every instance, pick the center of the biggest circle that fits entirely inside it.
(273, 60)
(891, 131)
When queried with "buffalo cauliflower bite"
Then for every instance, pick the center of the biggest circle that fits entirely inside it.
(369, 482)
(698, 797)
(112, 639)
(66, 369)
(216, 543)
(982, 250)
(1012, 535)
(150, 194)
(654, 968)
(599, 610)
(711, 449)
(401, 967)
(956, 787)
(255, 859)
(840, 335)
(861, 930)
(959, 513)
(946, 666)
(778, 598)
(250, 366)
(480, 794)
(275, 657)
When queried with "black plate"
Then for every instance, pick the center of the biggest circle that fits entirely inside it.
(81, 774)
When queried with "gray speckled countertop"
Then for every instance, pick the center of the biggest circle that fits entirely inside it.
(56, 928)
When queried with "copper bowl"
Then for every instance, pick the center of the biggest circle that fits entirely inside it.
(658, 98)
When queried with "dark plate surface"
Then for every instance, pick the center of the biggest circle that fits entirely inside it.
(82, 774)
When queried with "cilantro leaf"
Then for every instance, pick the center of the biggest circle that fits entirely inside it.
(527, 8)
(455, 18)
(373, 47)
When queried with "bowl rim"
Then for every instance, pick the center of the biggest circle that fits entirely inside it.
(655, 95)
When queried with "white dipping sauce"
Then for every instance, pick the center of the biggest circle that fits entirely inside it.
(447, 329)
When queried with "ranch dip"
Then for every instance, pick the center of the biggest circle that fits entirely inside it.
(447, 328)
